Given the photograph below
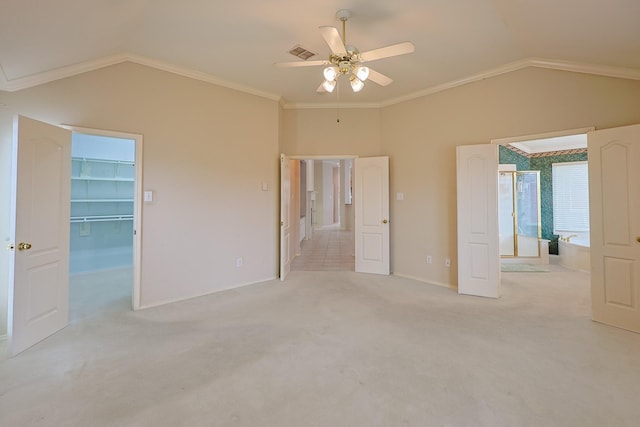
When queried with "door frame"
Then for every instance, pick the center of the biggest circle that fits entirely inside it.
(316, 157)
(533, 137)
(137, 201)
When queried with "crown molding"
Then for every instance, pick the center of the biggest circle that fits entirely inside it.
(560, 65)
(83, 67)
(576, 67)
(310, 106)
(59, 73)
(199, 75)
(580, 67)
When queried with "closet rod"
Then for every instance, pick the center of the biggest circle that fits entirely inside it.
(101, 218)
(118, 162)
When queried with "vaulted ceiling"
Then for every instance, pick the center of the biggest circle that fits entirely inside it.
(236, 43)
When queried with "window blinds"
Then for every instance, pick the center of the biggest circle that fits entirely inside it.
(570, 197)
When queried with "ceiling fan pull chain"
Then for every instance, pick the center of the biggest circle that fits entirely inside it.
(338, 103)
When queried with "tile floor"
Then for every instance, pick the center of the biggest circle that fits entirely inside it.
(329, 249)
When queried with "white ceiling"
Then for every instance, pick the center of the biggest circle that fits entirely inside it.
(543, 145)
(236, 42)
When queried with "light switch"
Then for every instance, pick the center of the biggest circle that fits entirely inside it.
(399, 196)
(148, 196)
(265, 186)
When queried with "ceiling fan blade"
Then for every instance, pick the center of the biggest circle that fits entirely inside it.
(386, 52)
(301, 63)
(333, 39)
(379, 78)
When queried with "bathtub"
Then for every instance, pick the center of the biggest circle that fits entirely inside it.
(575, 254)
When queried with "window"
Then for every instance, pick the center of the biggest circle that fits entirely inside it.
(570, 197)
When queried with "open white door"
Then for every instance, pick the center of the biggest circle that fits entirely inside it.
(40, 205)
(614, 211)
(371, 199)
(285, 217)
(478, 248)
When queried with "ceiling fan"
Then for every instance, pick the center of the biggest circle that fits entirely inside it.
(347, 60)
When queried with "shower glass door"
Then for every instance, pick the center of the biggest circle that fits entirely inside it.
(519, 211)
(527, 197)
(506, 208)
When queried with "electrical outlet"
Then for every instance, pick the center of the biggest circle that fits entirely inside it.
(429, 259)
(239, 262)
(447, 262)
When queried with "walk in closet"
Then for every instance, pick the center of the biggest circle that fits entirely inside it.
(102, 196)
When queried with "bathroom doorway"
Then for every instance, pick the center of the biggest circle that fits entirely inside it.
(519, 213)
(538, 153)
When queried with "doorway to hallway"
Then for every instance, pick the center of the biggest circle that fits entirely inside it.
(330, 249)
(321, 216)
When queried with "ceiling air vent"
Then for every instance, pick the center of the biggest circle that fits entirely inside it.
(301, 52)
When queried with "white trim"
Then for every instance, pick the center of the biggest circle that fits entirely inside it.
(579, 67)
(137, 203)
(545, 135)
(83, 67)
(226, 288)
(429, 282)
(320, 157)
(576, 67)
(579, 162)
(308, 106)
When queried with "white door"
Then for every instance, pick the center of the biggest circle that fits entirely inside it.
(371, 199)
(478, 246)
(614, 194)
(40, 205)
(285, 217)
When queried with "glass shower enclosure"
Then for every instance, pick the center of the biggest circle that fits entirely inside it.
(519, 213)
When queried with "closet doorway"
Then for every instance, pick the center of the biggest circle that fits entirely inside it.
(104, 237)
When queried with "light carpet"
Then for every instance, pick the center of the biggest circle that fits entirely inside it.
(336, 349)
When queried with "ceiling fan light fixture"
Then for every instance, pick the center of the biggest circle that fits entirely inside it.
(362, 73)
(330, 73)
(329, 85)
(356, 84)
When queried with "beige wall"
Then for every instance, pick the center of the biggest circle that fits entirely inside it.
(315, 132)
(207, 151)
(420, 137)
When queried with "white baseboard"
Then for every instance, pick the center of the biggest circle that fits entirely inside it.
(228, 288)
(430, 282)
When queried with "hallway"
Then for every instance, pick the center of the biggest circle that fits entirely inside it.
(329, 249)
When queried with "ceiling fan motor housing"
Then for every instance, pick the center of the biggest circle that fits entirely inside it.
(344, 67)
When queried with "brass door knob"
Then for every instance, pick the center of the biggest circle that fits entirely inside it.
(384, 221)
(24, 246)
